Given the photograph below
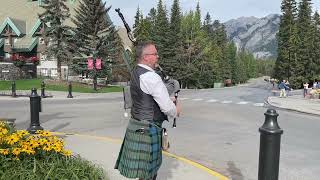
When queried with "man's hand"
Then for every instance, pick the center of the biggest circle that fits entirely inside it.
(178, 109)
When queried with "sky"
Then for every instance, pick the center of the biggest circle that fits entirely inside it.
(222, 10)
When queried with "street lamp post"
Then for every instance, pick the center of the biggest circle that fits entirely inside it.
(94, 70)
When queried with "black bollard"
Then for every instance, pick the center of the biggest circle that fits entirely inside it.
(43, 86)
(70, 90)
(34, 112)
(13, 89)
(270, 137)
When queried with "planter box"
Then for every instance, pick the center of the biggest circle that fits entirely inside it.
(10, 121)
(217, 85)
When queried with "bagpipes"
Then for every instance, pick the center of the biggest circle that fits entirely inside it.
(172, 85)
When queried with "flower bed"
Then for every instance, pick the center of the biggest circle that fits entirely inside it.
(40, 156)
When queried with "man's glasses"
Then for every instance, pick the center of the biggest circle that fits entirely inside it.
(154, 54)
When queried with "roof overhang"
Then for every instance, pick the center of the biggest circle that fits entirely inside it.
(9, 22)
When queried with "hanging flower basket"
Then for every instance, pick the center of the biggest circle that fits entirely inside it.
(34, 60)
(18, 61)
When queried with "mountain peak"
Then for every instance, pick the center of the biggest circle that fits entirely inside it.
(256, 35)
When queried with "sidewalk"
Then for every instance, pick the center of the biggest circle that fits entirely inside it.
(296, 103)
(60, 95)
(103, 151)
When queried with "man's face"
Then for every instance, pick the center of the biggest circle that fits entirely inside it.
(150, 56)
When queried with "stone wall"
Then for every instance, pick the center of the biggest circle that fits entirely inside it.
(8, 71)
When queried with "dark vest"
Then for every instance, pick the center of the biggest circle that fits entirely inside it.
(144, 107)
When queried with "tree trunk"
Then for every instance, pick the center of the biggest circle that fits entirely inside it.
(59, 69)
(20, 73)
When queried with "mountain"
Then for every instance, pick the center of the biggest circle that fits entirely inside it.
(256, 35)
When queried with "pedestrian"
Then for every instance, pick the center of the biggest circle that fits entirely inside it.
(315, 83)
(283, 87)
(140, 155)
(288, 89)
(305, 89)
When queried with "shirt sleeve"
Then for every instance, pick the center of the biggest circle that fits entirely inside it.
(152, 84)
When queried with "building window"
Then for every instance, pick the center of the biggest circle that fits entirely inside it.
(6, 41)
(41, 40)
(54, 72)
(42, 57)
(7, 55)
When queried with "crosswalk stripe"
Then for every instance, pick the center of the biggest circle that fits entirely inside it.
(243, 102)
(197, 99)
(226, 102)
(183, 98)
(258, 104)
(212, 100)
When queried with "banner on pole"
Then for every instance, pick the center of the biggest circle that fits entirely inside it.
(98, 63)
(90, 63)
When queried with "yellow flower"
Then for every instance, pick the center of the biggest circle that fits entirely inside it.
(4, 151)
(34, 144)
(16, 151)
(12, 139)
(66, 152)
(39, 131)
(29, 150)
(46, 148)
(3, 131)
(57, 148)
(45, 133)
(22, 133)
(42, 141)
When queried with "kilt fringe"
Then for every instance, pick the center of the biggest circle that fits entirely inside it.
(140, 155)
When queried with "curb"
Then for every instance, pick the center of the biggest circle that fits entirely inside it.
(168, 154)
(289, 109)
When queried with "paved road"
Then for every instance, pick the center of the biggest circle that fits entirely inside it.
(218, 128)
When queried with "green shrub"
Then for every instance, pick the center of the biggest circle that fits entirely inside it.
(40, 156)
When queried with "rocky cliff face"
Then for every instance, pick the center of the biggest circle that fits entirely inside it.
(256, 35)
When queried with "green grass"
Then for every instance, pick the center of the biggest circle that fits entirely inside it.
(28, 84)
(50, 167)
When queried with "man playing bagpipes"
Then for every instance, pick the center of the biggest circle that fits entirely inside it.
(140, 155)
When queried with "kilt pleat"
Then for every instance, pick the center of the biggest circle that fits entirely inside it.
(140, 155)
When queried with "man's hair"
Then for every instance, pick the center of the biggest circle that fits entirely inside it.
(140, 47)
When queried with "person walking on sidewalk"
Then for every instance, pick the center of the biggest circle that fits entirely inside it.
(283, 87)
(305, 89)
(140, 155)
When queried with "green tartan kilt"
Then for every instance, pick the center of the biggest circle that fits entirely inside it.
(140, 155)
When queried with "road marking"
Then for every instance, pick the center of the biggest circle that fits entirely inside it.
(183, 99)
(226, 102)
(243, 102)
(119, 141)
(259, 104)
(197, 99)
(212, 100)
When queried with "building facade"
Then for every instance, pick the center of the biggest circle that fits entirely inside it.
(21, 36)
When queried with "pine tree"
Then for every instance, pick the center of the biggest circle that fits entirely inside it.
(304, 24)
(96, 35)
(137, 20)
(161, 35)
(219, 34)
(151, 23)
(59, 35)
(231, 53)
(315, 68)
(175, 40)
(287, 41)
(187, 52)
(207, 24)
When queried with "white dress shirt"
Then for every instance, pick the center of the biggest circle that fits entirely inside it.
(152, 84)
